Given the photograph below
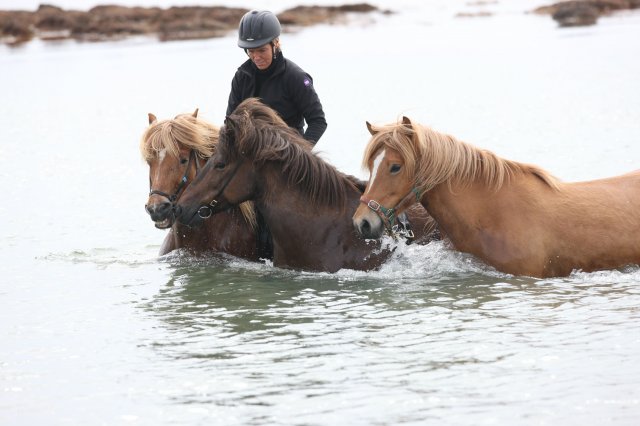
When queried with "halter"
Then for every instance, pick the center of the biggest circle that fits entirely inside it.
(388, 215)
(206, 211)
(183, 181)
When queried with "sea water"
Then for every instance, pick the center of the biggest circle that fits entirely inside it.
(97, 329)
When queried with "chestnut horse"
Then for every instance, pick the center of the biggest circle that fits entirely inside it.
(306, 203)
(513, 216)
(175, 150)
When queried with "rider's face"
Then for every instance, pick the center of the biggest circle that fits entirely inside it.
(261, 56)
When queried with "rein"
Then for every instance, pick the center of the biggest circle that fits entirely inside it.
(388, 215)
(173, 197)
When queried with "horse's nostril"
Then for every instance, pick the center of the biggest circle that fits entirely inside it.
(159, 211)
(163, 208)
(365, 227)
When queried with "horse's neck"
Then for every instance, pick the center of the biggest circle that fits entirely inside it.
(457, 209)
(279, 202)
(464, 211)
(312, 237)
(279, 197)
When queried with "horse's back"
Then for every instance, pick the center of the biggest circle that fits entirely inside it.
(617, 193)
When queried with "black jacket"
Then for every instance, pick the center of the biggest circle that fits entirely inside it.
(287, 89)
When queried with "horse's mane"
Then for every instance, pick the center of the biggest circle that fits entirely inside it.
(260, 134)
(191, 132)
(186, 130)
(434, 158)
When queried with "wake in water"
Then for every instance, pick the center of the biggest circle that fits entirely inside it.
(435, 262)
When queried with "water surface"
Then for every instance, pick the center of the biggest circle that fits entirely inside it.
(98, 329)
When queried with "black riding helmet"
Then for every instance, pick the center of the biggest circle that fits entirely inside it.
(257, 28)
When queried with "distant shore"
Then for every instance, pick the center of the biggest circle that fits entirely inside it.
(575, 13)
(109, 22)
(103, 23)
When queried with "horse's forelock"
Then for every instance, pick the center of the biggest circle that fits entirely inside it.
(155, 140)
(184, 130)
(398, 137)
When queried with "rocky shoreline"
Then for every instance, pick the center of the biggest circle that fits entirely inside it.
(574, 13)
(103, 23)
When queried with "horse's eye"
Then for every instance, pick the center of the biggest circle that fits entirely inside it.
(219, 165)
(183, 161)
(395, 168)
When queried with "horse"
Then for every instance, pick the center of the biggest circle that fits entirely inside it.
(175, 151)
(305, 202)
(515, 217)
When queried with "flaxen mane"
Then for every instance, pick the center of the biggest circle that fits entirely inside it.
(263, 136)
(185, 130)
(434, 158)
(191, 132)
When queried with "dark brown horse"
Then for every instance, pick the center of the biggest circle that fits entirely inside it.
(306, 203)
(175, 150)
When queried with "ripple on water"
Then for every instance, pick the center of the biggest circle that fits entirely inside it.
(432, 328)
(432, 331)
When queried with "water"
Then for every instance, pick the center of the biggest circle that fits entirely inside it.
(97, 329)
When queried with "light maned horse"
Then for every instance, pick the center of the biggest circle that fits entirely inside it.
(515, 217)
(306, 203)
(175, 150)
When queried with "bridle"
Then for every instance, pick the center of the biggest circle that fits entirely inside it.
(205, 212)
(173, 197)
(388, 215)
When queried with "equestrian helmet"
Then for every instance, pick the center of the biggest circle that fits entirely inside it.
(257, 28)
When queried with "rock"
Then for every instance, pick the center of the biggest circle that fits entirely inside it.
(311, 15)
(574, 14)
(15, 27)
(182, 23)
(481, 14)
(584, 12)
(175, 23)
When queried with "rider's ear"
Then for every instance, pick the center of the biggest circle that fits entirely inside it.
(370, 129)
(195, 113)
(152, 119)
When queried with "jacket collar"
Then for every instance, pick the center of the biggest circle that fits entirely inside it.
(250, 69)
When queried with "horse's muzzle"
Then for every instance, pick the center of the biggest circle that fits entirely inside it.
(161, 214)
(368, 230)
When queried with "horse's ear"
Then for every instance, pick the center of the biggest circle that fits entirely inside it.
(370, 129)
(228, 121)
(152, 119)
(407, 122)
(195, 113)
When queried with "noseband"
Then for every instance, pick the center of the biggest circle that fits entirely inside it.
(388, 215)
(173, 197)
